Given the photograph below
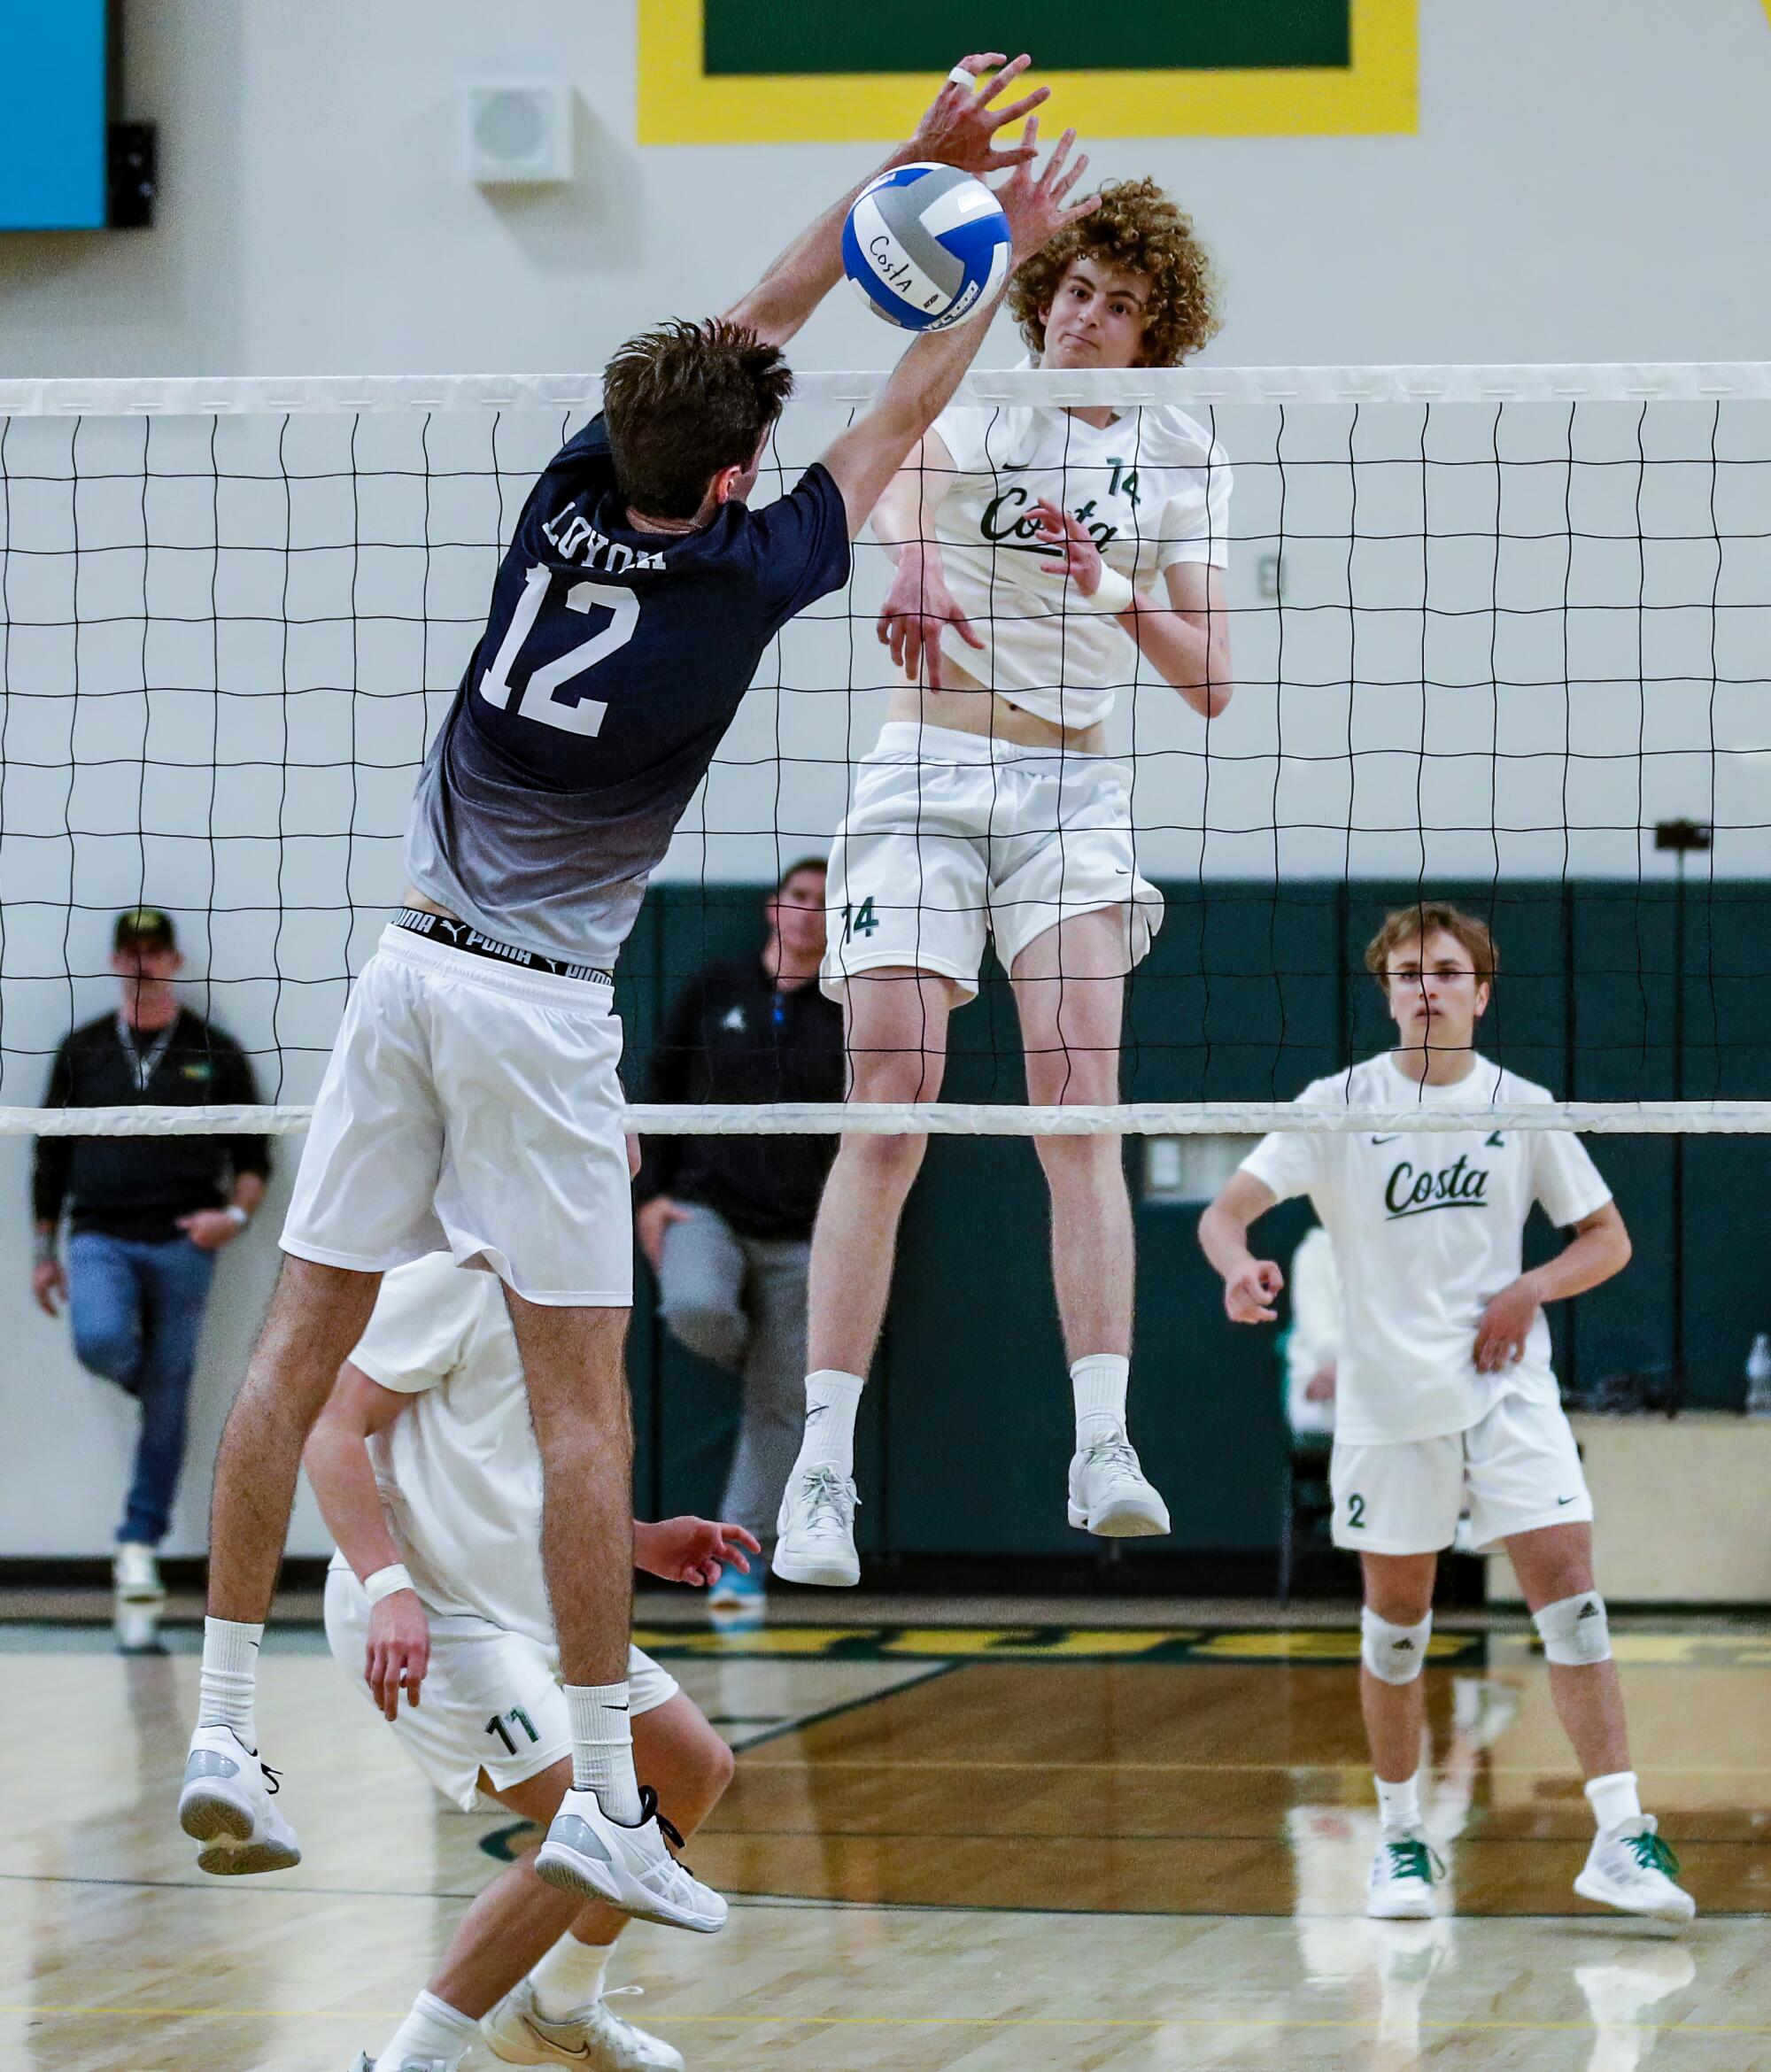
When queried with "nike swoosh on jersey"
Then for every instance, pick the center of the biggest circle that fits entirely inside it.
(1395, 1139)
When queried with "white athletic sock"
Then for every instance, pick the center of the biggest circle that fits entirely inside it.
(1099, 1380)
(602, 1748)
(433, 2033)
(1399, 1804)
(1613, 1799)
(229, 1678)
(831, 1400)
(569, 1977)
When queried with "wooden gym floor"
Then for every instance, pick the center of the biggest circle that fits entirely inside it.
(1020, 1848)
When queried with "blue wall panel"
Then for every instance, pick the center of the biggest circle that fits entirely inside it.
(53, 110)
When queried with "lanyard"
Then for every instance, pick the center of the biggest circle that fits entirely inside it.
(144, 1065)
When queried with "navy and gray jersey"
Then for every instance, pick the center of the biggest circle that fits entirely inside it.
(611, 664)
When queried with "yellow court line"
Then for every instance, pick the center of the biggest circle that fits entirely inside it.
(1145, 2022)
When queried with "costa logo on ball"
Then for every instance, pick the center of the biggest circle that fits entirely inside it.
(925, 246)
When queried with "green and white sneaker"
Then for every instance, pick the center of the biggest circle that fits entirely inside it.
(1404, 1872)
(1632, 1870)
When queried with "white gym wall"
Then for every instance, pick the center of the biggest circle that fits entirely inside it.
(1586, 185)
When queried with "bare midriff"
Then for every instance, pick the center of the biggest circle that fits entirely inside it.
(966, 707)
(409, 898)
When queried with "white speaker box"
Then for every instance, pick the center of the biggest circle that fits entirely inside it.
(517, 131)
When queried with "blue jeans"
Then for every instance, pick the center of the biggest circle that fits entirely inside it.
(136, 1310)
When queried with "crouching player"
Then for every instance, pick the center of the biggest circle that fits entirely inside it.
(427, 1471)
(1444, 1384)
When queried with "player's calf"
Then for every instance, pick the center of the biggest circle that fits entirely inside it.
(1628, 1867)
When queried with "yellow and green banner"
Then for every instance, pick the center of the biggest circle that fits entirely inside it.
(814, 72)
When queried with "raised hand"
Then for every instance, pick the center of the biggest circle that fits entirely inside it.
(961, 127)
(1038, 207)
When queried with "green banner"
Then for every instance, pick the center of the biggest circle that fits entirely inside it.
(777, 38)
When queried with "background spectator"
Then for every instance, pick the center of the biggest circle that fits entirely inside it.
(1314, 1344)
(147, 1215)
(726, 1222)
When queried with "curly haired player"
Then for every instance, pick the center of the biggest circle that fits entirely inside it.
(1045, 558)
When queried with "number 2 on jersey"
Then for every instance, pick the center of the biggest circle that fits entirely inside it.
(545, 697)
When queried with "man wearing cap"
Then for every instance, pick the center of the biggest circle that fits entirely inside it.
(146, 1215)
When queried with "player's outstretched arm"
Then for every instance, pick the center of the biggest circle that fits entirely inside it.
(959, 130)
(920, 387)
(1249, 1284)
(1186, 640)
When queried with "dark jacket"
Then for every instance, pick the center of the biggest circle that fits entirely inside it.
(732, 1037)
(137, 1187)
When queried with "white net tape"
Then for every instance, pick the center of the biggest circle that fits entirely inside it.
(959, 1118)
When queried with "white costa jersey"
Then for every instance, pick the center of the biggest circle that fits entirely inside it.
(1427, 1228)
(458, 1471)
(1153, 488)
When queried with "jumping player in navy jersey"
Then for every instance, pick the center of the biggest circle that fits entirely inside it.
(471, 1104)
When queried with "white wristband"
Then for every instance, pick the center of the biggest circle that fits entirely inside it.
(1113, 595)
(240, 1218)
(385, 1581)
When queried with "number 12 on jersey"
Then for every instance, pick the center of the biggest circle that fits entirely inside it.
(547, 696)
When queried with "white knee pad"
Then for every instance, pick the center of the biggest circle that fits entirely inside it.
(1574, 1630)
(1394, 1654)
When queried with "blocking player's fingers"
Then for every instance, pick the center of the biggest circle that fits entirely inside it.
(961, 625)
(1018, 110)
(1000, 73)
(1071, 178)
(1054, 171)
(736, 1535)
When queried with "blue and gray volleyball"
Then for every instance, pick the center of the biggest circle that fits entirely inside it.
(925, 246)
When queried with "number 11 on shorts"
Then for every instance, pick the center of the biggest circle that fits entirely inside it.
(517, 1717)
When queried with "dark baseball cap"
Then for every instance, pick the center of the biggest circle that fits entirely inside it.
(145, 926)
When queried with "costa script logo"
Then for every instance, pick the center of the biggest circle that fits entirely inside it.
(1415, 1191)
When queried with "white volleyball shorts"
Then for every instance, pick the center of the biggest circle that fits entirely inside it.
(1517, 1470)
(475, 1109)
(951, 839)
(490, 1700)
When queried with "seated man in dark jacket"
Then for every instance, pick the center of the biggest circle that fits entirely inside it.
(147, 1214)
(726, 1222)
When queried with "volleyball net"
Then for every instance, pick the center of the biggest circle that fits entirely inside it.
(1500, 634)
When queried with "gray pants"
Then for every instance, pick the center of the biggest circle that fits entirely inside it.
(740, 1302)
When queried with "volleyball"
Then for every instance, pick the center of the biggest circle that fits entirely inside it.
(925, 246)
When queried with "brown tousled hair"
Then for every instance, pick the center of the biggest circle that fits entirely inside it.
(684, 401)
(1136, 228)
(1429, 918)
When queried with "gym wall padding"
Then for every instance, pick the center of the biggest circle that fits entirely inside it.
(1250, 991)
